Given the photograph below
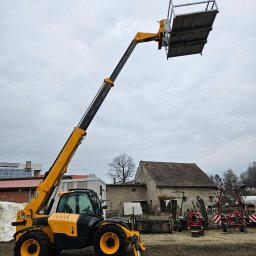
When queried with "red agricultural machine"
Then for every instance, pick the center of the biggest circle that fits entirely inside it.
(193, 218)
(235, 219)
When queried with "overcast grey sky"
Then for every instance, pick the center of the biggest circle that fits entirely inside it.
(195, 109)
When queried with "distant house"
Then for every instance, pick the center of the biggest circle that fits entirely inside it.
(21, 190)
(157, 183)
(18, 190)
(173, 181)
(19, 170)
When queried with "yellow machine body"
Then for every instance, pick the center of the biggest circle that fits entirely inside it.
(64, 223)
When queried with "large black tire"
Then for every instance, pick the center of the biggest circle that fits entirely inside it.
(110, 240)
(34, 243)
(224, 228)
(241, 228)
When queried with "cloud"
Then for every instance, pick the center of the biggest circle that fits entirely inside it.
(55, 55)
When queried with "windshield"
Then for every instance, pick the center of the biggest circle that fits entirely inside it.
(76, 203)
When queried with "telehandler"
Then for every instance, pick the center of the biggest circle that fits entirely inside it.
(78, 221)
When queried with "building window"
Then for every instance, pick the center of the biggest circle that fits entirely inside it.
(82, 185)
(70, 185)
(133, 189)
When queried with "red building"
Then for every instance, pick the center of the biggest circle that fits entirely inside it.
(18, 190)
(22, 189)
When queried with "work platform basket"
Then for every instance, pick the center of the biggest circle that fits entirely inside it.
(190, 25)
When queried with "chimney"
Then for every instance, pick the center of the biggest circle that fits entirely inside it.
(28, 165)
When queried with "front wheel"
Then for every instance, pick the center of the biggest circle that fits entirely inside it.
(110, 240)
(33, 243)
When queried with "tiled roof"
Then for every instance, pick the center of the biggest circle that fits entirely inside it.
(29, 183)
(177, 174)
(79, 176)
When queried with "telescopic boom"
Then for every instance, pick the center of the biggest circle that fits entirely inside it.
(53, 176)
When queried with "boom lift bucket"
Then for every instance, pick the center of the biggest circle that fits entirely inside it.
(189, 30)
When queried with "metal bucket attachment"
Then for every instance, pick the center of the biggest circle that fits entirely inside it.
(189, 30)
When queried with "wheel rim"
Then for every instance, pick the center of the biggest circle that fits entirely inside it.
(30, 247)
(109, 243)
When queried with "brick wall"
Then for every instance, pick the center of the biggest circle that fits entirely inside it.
(14, 196)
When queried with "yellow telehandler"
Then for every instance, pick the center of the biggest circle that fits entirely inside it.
(78, 220)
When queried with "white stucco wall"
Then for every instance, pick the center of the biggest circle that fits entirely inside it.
(87, 183)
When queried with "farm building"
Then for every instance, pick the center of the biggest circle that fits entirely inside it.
(157, 183)
(118, 194)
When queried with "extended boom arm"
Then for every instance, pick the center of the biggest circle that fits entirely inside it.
(53, 177)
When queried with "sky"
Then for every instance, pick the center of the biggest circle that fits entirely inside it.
(192, 109)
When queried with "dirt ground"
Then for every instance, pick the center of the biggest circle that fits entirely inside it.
(213, 243)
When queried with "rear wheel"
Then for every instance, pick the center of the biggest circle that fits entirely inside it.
(241, 228)
(33, 243)
(110, 240)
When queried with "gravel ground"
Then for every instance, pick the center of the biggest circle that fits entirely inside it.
(181, 244)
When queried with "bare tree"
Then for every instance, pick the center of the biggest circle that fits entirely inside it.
(122, 168)
(248, 177)
(216, 179)
(229, 179)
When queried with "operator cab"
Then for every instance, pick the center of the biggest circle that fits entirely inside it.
(80, 201)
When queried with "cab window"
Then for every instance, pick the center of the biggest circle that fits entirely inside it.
(78, 203)
(67, 204)
(85, 205)
(96, 204)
